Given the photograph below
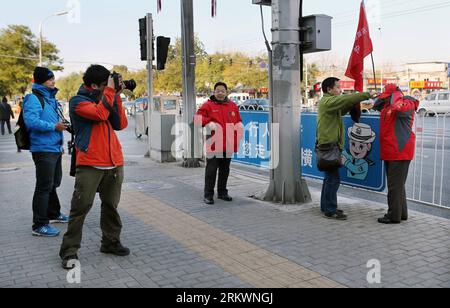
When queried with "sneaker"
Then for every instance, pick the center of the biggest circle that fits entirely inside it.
(115, 249)
(225, 198)
(46, 231)
(337, 216)
(61, 219)
(208, 201)
(387, 221)
(67, 260)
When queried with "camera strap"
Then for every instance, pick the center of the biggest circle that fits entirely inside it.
(57, 109)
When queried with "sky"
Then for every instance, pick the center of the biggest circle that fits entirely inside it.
(106, 31)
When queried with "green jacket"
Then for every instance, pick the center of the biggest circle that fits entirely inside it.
(329, 118)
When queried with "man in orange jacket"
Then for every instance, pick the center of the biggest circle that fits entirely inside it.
(221, 116)
(96, 112)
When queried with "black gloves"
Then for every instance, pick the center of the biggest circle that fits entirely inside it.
(355, 113)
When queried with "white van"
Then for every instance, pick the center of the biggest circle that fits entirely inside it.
(435, 102)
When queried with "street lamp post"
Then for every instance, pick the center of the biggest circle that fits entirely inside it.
(40, 32)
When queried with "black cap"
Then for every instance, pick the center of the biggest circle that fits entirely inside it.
(42, 74)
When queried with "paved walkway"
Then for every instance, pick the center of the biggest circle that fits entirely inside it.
(177, 241)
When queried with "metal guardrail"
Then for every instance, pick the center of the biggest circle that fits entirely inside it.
(432, 137)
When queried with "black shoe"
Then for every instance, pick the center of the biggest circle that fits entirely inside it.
(208, 200)
(66, 260)
(338, 211)
(404, 218)
(115, 249)
(337, 216)
(225, 198)
(386, 220)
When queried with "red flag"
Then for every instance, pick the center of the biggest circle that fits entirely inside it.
(362, 48)
(213, 8)
(159, 4)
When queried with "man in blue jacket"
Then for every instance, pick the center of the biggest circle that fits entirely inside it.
(42, 119)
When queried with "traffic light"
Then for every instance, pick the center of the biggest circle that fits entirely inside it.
(210, 61)
(143, 37)
(231, 62)
(250, 63)
(162, 49)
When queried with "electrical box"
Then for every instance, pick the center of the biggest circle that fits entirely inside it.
(262, 2)
(315, 33)
(161, 139)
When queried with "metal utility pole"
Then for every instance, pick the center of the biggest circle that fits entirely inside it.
(306, 83)
(150, 79)
(190, 160)
(287, 185)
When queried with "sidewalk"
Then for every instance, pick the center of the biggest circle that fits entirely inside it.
(177, 241)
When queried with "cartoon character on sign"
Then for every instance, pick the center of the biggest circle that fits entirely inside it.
(361, 137)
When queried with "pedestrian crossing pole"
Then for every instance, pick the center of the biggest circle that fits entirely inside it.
(190, 155)
(150, 80)
(286, 184)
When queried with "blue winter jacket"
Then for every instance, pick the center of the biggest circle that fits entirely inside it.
(41, 122)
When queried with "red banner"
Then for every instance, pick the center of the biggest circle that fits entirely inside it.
(361, 49)
(371, 81)
(159, 5)
(213, 8)
(347, 85)
(433, 85)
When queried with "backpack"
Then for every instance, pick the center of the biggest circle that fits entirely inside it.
(21, 133)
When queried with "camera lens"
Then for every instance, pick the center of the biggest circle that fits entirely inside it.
(130, 85)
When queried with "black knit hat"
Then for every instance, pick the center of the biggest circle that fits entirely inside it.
(42, 74)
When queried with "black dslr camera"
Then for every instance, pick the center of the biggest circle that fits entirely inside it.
(129, 84)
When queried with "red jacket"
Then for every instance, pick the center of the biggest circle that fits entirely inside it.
(397, 138)
(221, 114)
(95, 124)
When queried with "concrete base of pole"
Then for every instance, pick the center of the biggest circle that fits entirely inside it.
(278, 193)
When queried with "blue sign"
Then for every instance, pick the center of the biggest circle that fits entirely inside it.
(362, 166)
(254, 148)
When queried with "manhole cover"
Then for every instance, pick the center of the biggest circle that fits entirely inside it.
(7, 170)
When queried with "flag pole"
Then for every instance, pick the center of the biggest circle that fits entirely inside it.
(371, 54)
(374, 75)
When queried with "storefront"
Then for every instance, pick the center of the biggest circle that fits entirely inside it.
(421, 88)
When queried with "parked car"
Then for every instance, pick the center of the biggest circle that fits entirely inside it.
(255, 104)
(435, 102)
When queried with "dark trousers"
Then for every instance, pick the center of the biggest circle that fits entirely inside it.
(46, 204)
(397, 173)
(330, 187)
(89, 180)
(212, 165)
(8, 124)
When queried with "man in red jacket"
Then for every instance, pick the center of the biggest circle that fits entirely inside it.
(221, 116)
(96, 112)
(398, 143)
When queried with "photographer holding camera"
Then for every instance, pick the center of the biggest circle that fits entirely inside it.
(45, 128)
(96, 112)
